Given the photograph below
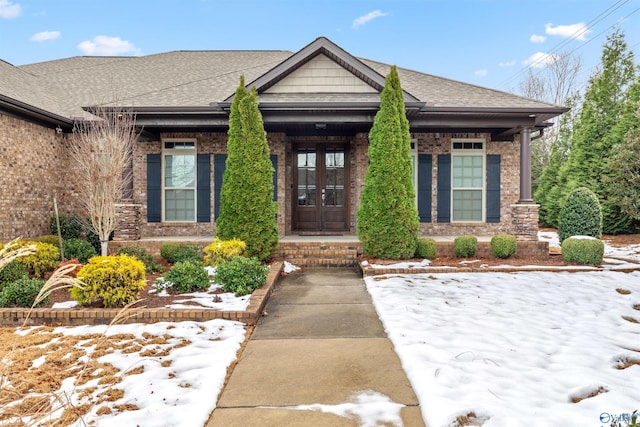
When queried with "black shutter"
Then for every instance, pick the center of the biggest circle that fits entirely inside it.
(154, 188)
(219, 165)
(274, 162)
(203, 188)
(424, 187)
(493, 187)
(444, 187)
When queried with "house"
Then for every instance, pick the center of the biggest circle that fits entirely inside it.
(470, 145)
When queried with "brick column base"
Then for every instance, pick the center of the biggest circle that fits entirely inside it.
(525, 221)
(128, 222)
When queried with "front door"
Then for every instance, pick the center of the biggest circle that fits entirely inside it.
(320, 192)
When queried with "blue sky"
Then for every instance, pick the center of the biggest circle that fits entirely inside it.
(484, 42)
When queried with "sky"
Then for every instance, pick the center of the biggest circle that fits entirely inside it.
(490, 43)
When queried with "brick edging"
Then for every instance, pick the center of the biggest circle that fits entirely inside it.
(103, 316)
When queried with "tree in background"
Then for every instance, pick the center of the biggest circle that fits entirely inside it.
(101, 149)
(247, 209)
(388, 223)
(592, 142)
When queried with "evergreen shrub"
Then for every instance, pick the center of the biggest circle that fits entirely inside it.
(583, 250)
(503, 245)
(50, 239)
(176, 252)
(581, 215)
(465, 246)
(114, 280)
(426, 248)
(21, 293)
(12, 272)
(222, 251)
(143, 255)
(79, 249)
(187, 276)
(45, 258)
(241, 275)
(70, 226)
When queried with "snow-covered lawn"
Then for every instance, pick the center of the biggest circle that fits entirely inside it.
(529, 348)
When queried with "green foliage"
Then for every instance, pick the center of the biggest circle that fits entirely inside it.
(112, 280)
(46, 258)
(388, 223)
(176, 252)
(503, 245)
(241, 275)
(50, 239)
(247, 209)
(583, 251)
(70, 226)
(141, 254)
(21, 293)
(79, 249)
(187, 276)
(222, 251)
(12, 272)
(426, 248)
(465, 246)
(581, 215)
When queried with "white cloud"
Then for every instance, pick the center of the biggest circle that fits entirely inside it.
(366, 18)
(537, 39)
(9, 10)
(577, 31)
(45, 35)
(481, 73)
(508, 63)
(105, 46)
(540, 59)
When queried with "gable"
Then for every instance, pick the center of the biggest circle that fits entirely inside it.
(321, 75)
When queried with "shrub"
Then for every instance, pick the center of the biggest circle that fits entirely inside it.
(503, 245)
(222, 251)
(583, 250)
(21, 293)
(175, 252)
(580, 215)
(70, 226)
(76, 262)
(426, 249)
(12, 272)
(465, 246)
(241, 275)
(79, 249)
(113, 280)
(141, 254)
(187, 276)
(45, 258)
(50, 239)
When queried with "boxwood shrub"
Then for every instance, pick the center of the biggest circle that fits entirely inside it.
(465, 246)
(176, 251)
(12, 272)
(21, 293)
(79, 249)
(426, 248)
(581, 215)
(187, 276)
(583, 250)
(241, 275)
(503, 245)
(114, 280)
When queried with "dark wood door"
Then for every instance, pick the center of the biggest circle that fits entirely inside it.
(320, 190)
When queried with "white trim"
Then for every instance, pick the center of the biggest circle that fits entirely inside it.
(183, 151)
(470, 152)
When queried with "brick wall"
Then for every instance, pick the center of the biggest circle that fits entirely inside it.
(34, 167)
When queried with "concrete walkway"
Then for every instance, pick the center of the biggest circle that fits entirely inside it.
(320, 343)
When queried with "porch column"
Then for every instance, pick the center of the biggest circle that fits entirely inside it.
(525, 167)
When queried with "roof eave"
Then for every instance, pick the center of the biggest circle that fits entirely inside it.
(34, 113)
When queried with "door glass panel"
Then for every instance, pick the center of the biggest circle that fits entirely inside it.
(306, 177)
(334, 177)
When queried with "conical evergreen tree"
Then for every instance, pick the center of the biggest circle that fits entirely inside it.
(247, 209)
(388, 224)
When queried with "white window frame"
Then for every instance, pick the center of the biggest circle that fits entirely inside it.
(180, 151)
(458, 152)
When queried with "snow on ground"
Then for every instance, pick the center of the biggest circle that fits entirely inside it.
(515, 348)
(290, 268)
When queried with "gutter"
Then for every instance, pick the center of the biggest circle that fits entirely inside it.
(35, 113)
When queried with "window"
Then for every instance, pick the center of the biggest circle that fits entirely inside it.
(414, 166)
(179, 180)
(468, 178)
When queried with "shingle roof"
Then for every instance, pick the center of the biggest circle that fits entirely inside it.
(199, 78)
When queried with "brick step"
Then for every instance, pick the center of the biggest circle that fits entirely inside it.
(322, 262)
(320, 254)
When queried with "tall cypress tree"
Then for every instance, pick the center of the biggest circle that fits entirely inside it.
(388, 223)
(247, 209)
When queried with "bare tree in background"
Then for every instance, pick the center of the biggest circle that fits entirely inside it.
(555, 84)
(101, 149)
